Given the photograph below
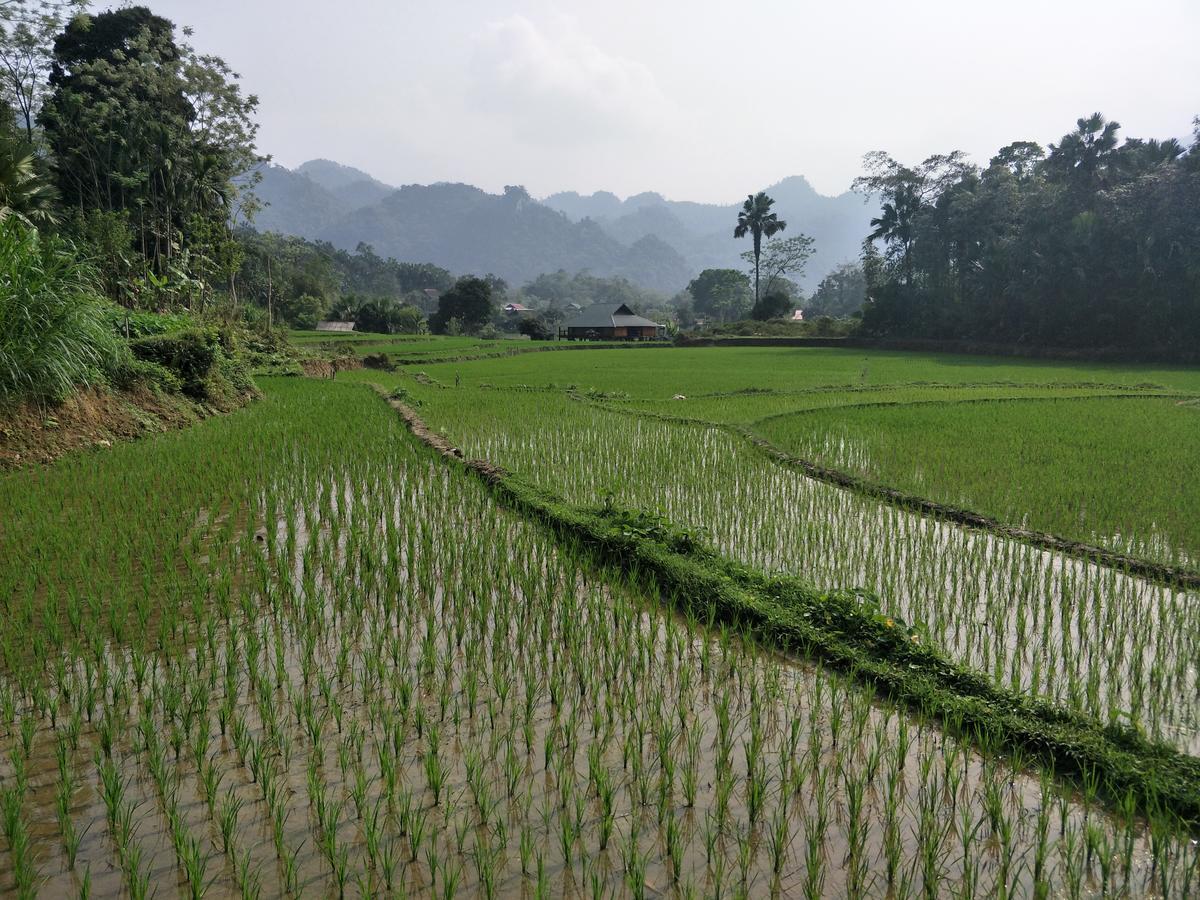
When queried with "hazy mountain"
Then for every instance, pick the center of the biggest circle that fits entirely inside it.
(352, 186)
(465, 229)
(295, 204)
(654, 242)
(702, 233)
(307, 200)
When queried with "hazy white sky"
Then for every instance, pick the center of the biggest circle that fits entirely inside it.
(695, 99)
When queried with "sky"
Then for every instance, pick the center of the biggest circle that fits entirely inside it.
(696, 100)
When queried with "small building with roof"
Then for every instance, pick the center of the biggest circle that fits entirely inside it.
(335, 326)
(607, 322)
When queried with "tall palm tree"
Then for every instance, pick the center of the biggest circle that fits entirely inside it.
(756, 219)
(896, 224)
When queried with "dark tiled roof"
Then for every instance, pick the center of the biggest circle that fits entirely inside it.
(607, 316)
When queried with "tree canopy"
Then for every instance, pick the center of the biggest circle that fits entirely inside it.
(723, 294)
(756, 219)
(141, 126)
(469, 303)
(841, 293)
(1092, 243)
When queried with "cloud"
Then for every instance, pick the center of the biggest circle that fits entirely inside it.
(561, 88)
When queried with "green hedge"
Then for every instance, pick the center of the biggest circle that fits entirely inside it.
(135, 371)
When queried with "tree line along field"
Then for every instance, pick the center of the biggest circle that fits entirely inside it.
(338, 665)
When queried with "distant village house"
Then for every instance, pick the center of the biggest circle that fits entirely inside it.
(603, 322)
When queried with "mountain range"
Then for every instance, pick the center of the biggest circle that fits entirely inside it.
(656, 243)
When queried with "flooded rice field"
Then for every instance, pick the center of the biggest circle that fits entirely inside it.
(359, 676)
(1084, 635)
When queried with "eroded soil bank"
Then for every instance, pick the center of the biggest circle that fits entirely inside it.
(96, 418)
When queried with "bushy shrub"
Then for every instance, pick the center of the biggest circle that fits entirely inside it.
(190, 354)
(536, 328)
(232, 377)
(379, 361)
(385, 316)
(53, 333)
(772, 306)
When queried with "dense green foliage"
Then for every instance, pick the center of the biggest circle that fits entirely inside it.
(722, 294)
(772, 306)
(24, 195)
(283, 269)
(197, 356)
(54, 332)
(143, 128)
(841, 293)
(387, 317)
(466, 307)
(1093, 244)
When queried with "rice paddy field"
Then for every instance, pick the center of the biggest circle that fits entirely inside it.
(1118, 472)
(294, 652)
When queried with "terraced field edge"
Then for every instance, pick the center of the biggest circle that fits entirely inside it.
(1159, 573)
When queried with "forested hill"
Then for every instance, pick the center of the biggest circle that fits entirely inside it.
(655, 243)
